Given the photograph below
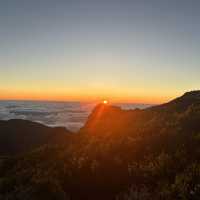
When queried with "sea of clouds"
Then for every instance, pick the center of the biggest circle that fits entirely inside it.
(71, 115)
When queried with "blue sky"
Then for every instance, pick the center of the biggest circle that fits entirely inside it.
(121, 50)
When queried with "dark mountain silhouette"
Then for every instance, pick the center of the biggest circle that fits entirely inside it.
(18, 136)
(113, 120)
(150, 154)
(180, 104)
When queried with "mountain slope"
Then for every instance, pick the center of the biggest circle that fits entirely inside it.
(18, 136)
(148, 154)
(183, 111)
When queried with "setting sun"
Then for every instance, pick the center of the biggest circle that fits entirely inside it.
(105, 102)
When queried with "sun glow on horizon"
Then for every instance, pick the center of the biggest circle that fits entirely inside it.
(105, 102)
(89, 95)
(46, 96)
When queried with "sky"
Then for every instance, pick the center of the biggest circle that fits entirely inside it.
(84, 50)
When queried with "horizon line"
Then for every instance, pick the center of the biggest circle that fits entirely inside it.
(82, 101)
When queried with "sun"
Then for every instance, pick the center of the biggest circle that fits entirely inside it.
(105, 102)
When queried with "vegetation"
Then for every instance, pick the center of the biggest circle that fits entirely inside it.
(149, 154)
(20, 136)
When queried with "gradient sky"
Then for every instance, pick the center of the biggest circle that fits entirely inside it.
(123, 50)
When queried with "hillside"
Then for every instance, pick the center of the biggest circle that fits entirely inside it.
(182, 113)
(20, 136)
(148, 154)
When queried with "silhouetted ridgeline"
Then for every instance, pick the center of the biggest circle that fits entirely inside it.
(148, 154)
(18, 136)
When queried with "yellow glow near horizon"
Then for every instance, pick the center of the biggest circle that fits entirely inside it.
(105, 102)
(87, 97)
(56, 93)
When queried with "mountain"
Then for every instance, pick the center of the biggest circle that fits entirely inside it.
(19, 136)
(149, 154)
(182, 103)
(115, 121)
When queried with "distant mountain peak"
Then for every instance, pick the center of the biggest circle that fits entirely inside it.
(192, 94)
